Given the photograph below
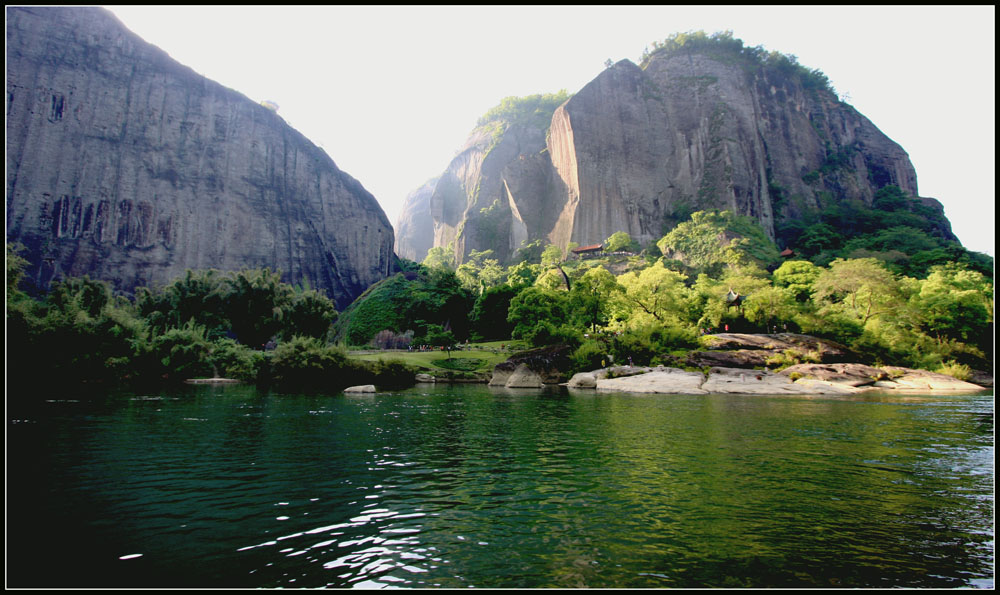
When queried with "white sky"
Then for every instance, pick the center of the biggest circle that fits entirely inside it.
(392, 92)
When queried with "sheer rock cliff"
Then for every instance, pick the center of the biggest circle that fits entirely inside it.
(639, 148)
(126, 166)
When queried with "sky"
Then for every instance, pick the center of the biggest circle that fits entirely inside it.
(392, 92)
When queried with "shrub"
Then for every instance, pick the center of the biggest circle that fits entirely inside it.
(184, 352)
(588, 356)
(305, 363)
(955, 370)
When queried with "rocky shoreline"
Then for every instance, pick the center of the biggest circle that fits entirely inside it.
(803, 379)
(733, 363)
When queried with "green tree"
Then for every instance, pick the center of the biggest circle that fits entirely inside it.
(655, 294)
(438, 336)
(15, 268)
(488, 319)
(308, 314)
(197, 296)
(552, 255)
(714, 240)
(955, 303)
(255, 302)
(440, 257)
(534, 306)
(862, 287)
(619, 242)
(798, 276)
(591, 298)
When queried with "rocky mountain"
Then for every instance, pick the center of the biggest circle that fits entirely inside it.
(709, 125)
(126, 166)
(414, 227)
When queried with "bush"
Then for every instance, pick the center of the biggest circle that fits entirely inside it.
(392, 373)
(955, 370)
(588, 356)
(233, 360)
(305, 363)
(183, 353)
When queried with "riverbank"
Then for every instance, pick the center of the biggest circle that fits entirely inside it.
(806, 379)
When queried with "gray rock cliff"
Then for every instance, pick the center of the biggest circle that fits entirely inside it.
(415, 227)
(639, 148)
(126, 166)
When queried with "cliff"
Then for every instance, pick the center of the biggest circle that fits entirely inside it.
(639, 148)
(126, 166)
(415, 227)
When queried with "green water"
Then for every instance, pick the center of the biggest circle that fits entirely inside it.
(468, 486)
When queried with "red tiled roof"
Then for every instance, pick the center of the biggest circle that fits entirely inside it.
(590, 248)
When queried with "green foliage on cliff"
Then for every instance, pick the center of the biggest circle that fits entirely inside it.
(906, 235)
(711, 240)
(532, 110)
(723, 46)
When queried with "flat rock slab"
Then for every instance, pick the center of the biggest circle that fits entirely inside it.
(918, 380)
(755, 382)
(667, 381)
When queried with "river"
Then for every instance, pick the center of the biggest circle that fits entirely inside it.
(471, 486)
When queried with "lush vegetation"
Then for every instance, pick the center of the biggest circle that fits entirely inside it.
(897, 294)
(246, 325)
(908, 236)
(723, 46)
(533, 111)
(931, 308)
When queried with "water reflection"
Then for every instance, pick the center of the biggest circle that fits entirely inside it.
(473, 486)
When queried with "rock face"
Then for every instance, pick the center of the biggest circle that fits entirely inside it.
(126, 166)
(637, 149)
(742, 350)
(496, 193)
(533, 368)
(415, 227)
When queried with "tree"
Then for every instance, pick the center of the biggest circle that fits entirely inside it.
(654, 294)
(591, 297)
(619, 242)
(798, 276)
(862, 287)
(256, 301)
(15, 268)
(534, 306)
(440, 257)
(309, 314)
(480, 272)
(714, 240)
(489, 314)
(552, 255)
(954, 302)
(438, 336)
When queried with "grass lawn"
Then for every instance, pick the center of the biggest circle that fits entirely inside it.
(476, 359)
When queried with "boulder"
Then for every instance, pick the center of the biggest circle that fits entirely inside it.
(364, 388)
(583, 380)
(547, 362)
(740, 381)
(524, 377)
